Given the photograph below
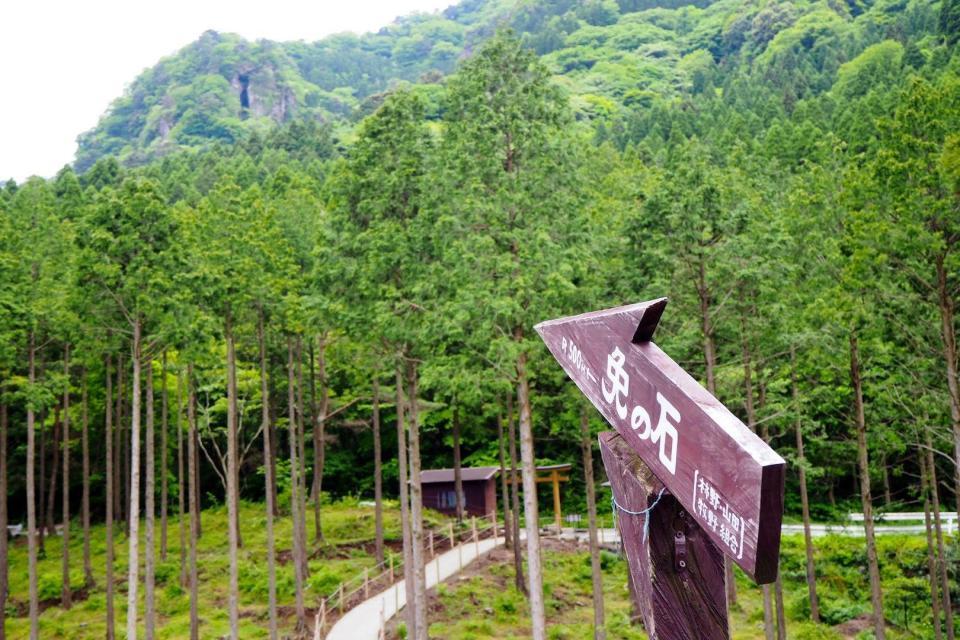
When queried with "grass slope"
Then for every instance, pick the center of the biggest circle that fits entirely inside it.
(483, 605)
(348, 549)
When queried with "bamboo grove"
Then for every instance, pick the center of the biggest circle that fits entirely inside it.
(302, 313)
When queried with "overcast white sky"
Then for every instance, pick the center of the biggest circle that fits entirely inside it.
(63, 61)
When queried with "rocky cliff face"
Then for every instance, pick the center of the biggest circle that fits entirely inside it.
(214, 89)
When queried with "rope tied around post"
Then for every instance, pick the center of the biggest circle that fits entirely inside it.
(644, 512)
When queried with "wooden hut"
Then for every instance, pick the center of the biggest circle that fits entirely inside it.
(479, 490)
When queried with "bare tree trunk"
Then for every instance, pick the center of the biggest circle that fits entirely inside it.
(504, 491)
(233, 498)
(804, 500)
(319, 415)
(457, 474)
(932, 567)
(118, 481)
(126, 456)
(66, 595)
(194, 492)
(111, 491)
(408, 572)
(164, 465)
(42, 480)
(85, 469)
(518, 579)
(534, 568)
(133, 515)
(149, 615)
(196, 480)
(873, 567)
(377, 471)
(31, 495)
(301, 449)
(181, 484)
(4, 568)
(942, 558)
(295, 501)
(710, 365)
(267, 428)
(887, 497)
(948, 336)
(586, 444)
(54, 471)
(781, 614)
(416, 504)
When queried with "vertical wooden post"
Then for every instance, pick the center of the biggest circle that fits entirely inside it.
(495, 536)
(677, 573)
(340, 597)
(451, 536)
(366, 583)
(557, 515)
(431, 543)
(476, 540)
(391, 569)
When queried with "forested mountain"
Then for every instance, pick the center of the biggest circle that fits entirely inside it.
(622, 63)
(312, 296)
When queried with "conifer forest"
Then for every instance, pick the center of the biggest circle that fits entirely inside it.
(282, 279)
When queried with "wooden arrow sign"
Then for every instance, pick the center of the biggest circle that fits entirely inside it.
(727, 478)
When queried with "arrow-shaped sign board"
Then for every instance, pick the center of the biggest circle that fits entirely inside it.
(725, 476)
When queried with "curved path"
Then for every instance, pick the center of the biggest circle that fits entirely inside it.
(363, 621)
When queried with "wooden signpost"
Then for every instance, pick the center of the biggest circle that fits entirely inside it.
(690, 480)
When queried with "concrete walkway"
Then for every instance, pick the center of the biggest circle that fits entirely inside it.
(363, 621)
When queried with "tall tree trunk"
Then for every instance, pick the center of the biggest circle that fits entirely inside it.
(85, 469)
(416, 504)
(942, 558)
(196, 481)
(118, 481)
(164, 465)
(710, 365)
(295, 501)
(804, 500)
(55, 470)
(932, 567)
(948, 336)
(873, 567)
(194, 493)
(233, 501)
(181, 484)
(377, 471)
(267, 428)
(149, 616)
(534, 567)
(769, 630)
(111, 492)
(319, 416)
(66, 595)
(457, 474)
(126, 455)
(4, 568)
(133, 515)
(42, 481)
(504, 491)
(408, 573)
(887, 497)
(586, 444)
(518, 579)
(301, 449)
(31, 494)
